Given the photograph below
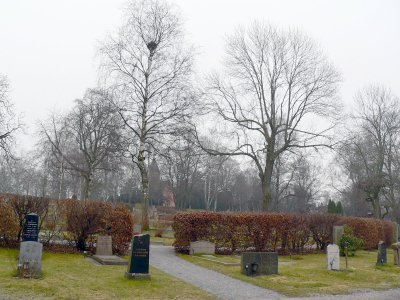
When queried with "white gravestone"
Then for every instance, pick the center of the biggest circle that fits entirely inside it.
(30, 259)
(333, 255)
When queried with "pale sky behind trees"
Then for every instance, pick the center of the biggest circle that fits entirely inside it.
(48, 48)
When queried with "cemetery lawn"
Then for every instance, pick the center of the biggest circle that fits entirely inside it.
(304, 275)
(71, 276)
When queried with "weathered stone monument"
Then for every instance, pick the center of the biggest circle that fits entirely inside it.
(104, 253)
(137, 228)
(30, 253)
(382, 255)
(337, 234)
(204, 247)
(333, 255)
(396, 253)
(139, 262)
(259, 263)
(395, 232)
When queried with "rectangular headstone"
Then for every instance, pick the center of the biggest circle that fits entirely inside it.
(259, 263)
(382, 255)
(137, 228)
(204, 247)
(139, 262)
(333, 256)
(337, 234)
(31, 228)
(104, 245)
(396, 253)
(30, 259)
(395, 232)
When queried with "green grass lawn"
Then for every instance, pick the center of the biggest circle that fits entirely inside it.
(71, 276)
(307, 274)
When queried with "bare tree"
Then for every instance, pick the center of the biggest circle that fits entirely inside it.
(150, 71)
(89, 135)
(8, 122)
(369, 154)
(274, 86)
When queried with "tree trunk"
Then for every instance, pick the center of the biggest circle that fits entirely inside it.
(87, 188)
(266, 180)
(145, 190)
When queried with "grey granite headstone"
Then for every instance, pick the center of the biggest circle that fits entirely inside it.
(396, 253)
(395, 232)
(333, 256)
(204, 247)
(337, 234)
(382, 255)
(30, 259)
(139, 262)
(259, 263)
(104, 245)
(137, 228)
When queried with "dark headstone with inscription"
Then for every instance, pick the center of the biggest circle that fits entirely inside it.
(259, 263)
(31, 228)
(139, 261)
(382, 255)
(30, 252)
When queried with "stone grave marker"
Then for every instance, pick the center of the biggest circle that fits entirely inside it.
(395, 232)
(104, 253)
(337, 234)
(30, 252)
(333, 255)
(137, 228)
(382, 255)
(259, 263)
(139, 262)
(204, 247)
(396, 253)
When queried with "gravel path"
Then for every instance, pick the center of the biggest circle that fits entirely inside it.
(224, 287)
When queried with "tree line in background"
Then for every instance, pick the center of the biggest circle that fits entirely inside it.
(243, 139)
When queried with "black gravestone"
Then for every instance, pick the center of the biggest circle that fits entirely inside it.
(139, 262)
(382, 255)
(31, 228)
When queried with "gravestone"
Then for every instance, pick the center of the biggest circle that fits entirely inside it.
(30, 252)
(259, 263)
(396, 253)
(204, 247)
(337, 234)
(139, 262)
(104, 245)
(382, 255)
(137, 228)
(333, 255)
(104, 252)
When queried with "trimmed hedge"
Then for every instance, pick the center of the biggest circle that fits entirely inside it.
(281, 232)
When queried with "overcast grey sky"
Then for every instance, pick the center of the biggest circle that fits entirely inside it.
(48, 47)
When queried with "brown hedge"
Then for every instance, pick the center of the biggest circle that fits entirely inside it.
(271, 231)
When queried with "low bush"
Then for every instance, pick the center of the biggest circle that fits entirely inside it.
(294, 233)
(8, 224)
(350, 241)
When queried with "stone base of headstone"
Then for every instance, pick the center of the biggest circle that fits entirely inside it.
(259, 263)
(134, 276)
(30, 259)
(110, 260)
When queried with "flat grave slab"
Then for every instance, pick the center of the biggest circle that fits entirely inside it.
(110, 260)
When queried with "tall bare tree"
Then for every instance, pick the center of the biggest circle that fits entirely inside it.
(274, 85)
(369, 154)
(89, 135)
(8, 122)
(150, 71)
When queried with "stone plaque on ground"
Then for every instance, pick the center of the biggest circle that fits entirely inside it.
(337, 234)
(31, 228)
(104, 245)
(139, 260)
(204, 247)
(104, 252)
(259, 263)
(396, 253)
(382, 256)
(332, 252)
